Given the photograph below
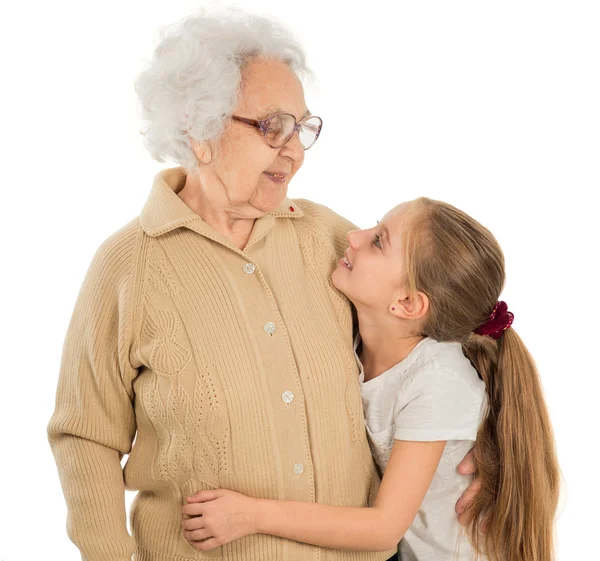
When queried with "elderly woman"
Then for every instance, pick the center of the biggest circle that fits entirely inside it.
(207, 328)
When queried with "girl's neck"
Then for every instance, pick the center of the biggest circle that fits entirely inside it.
(383, 344)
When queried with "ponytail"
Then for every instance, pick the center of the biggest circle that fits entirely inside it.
(515, 456)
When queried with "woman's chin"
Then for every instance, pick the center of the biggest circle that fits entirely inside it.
(266, 199)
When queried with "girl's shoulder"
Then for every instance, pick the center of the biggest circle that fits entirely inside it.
(443, 364)
(442, 398)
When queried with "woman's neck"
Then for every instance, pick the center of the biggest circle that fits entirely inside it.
(383, 344)
(214, 209)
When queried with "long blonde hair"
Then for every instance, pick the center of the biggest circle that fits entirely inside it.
(459, 265)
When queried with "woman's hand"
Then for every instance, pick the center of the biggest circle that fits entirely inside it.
(214, 518)
(467, 467)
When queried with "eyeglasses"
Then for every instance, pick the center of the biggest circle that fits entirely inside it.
(279, 129)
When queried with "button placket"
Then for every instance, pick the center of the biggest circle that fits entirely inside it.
(293, 434)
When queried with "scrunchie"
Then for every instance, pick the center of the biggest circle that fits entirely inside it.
(500, 320)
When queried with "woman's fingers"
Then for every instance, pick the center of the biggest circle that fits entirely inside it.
(197, 535)
(467, 465)
(203, 496)
(207, 545)
(467, 497)
(194, 523)
(193, 509)
(464, 502)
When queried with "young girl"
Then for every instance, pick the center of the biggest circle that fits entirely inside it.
(441, 367)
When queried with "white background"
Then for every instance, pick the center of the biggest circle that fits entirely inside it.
(491, 106)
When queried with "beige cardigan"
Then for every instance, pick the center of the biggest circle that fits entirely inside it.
(231, 368)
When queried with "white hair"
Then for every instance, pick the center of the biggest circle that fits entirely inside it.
(191, 85)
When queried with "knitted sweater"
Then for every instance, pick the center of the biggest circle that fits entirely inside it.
(211, 367)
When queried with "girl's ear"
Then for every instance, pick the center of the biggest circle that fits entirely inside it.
(410, 306)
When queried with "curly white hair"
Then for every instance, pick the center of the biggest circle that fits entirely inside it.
(191, 85)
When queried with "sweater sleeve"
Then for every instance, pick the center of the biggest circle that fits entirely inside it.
(93, 424)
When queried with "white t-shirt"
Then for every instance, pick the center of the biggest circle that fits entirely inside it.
(433, 394)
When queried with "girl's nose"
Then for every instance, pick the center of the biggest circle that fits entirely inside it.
(353, 237)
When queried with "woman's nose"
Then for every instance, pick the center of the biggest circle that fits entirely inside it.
(293, 149)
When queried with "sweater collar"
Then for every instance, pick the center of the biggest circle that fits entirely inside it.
(164, 211)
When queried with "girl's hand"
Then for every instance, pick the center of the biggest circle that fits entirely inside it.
(214, 518)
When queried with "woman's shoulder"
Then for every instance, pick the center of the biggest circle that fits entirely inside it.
(120, 243)
(109, 286)
(321, 222)
(323, 215)
(124, 237)
(114, 259)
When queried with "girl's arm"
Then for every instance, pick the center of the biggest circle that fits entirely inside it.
(227, 516)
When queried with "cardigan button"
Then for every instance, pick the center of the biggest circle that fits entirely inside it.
(249, 268)
(287, 396)
(298, 469)
(270, 327)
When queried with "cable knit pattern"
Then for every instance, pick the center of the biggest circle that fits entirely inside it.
(168, 356)
(169, 359)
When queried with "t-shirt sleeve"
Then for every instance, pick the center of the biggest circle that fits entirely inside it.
(440, 405)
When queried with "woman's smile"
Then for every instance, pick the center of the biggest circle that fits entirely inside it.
(276, 177)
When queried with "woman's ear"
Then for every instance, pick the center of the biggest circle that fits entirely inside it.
(410, 306)
(202, 149)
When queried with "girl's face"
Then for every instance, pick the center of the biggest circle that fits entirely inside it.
(371, 273)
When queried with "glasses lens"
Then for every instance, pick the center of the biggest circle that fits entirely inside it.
(309, 131)
(280, 129)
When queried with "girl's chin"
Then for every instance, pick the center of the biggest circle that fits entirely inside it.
(335, 278)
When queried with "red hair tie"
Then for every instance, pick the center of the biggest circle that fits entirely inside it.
(500, 320)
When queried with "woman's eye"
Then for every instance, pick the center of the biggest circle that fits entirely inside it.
(376, 241)
(274, 125)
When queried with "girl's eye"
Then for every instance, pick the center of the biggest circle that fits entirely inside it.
(376, 241)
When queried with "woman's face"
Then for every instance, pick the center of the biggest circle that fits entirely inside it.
(371, 273)
(254, 176)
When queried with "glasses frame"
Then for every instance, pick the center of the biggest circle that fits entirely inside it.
(263, 127)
